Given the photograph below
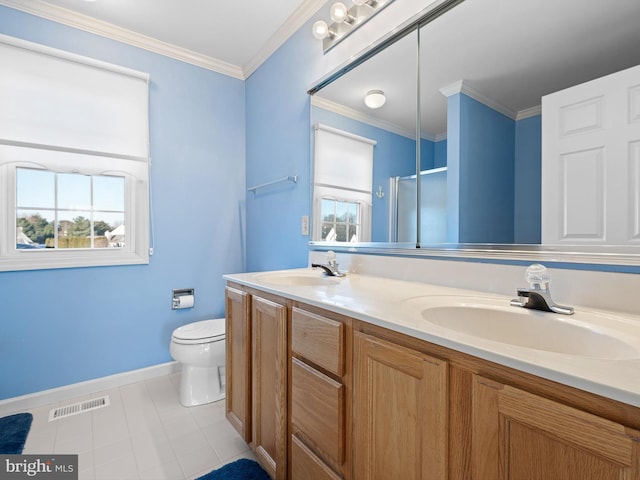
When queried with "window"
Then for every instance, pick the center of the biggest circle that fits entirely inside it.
(342, 186)
(74, 160)
(69, 210)
(340, 220)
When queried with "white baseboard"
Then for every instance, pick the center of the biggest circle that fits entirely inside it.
(46, 397)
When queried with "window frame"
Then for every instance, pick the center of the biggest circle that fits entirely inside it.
(136, 218)
(342, 195)
(359, 217)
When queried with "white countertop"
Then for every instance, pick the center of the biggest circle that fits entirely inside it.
(396, 305)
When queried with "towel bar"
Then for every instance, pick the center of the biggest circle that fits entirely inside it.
(293, 179)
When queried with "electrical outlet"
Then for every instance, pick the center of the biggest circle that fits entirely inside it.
(304, 225)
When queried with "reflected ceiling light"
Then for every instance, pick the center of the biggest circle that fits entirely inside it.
(345, 20)
(374, 99)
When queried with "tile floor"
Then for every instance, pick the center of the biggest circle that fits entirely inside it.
(144, 434)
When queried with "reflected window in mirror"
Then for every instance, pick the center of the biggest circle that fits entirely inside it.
(391, 130)
(342, 190)
(341, 220)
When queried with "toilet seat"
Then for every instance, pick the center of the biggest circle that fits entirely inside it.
(206, 331)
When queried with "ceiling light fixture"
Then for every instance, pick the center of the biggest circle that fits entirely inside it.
(346, 20)
(374, 99)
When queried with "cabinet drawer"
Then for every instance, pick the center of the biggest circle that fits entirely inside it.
(317, 410)
(305, 465)
(319, 340)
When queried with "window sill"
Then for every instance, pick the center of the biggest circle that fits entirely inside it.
(45, 260)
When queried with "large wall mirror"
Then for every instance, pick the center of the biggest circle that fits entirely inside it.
(476, 73)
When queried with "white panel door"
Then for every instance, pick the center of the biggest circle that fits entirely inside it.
(591, 162)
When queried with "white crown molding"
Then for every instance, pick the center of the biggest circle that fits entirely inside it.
(529, 112)
(440, 136)
(296, 20)
(353, 114)
(463, 86)
(428, 136)
(359, 116)
(108, 30)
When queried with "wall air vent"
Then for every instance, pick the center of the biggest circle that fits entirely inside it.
(77, 408)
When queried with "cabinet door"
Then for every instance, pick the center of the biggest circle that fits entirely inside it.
(400, 412)
(238, 361)
(517, 435)
(269, 337)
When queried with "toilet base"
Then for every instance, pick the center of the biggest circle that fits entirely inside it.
(200, 385)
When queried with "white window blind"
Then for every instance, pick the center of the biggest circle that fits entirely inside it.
(343, 160)
(343, 173)
(54, 98)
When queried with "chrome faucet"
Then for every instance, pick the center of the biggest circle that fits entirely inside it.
(331, 268)
(537, 296)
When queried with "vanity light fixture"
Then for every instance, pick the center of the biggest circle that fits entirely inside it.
(374, 99)
(339, 13)
(345, 20)
(321, 30)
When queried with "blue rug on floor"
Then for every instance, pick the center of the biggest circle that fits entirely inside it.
(243, 469)
(13, 433)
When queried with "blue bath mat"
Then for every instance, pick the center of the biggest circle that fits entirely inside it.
(13, 432)
(243, 469)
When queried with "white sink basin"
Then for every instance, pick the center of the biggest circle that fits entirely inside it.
(586, 334)
(300, 278)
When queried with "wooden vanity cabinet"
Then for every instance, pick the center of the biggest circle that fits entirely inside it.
(256, 375)
(238, 361)
(485, 421)
(269, 379)
(319, 396)
(518, 435)
(400, 412)
(322, 396)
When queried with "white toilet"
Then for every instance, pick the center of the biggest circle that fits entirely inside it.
(200, 348)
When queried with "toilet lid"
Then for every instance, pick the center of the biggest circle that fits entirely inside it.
(206, 330)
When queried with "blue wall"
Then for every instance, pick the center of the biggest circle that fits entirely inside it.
(440, 154)
(494, 174)
(59, 327)
(393, 156)
(278, 145)
(484, 180)
(528, 181)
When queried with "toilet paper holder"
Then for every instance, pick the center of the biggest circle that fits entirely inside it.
(183, 298)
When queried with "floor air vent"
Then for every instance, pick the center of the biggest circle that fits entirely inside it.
(77, 408)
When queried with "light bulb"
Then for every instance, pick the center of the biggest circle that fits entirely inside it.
(320, 29)
(374, 99)
(338, 12)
